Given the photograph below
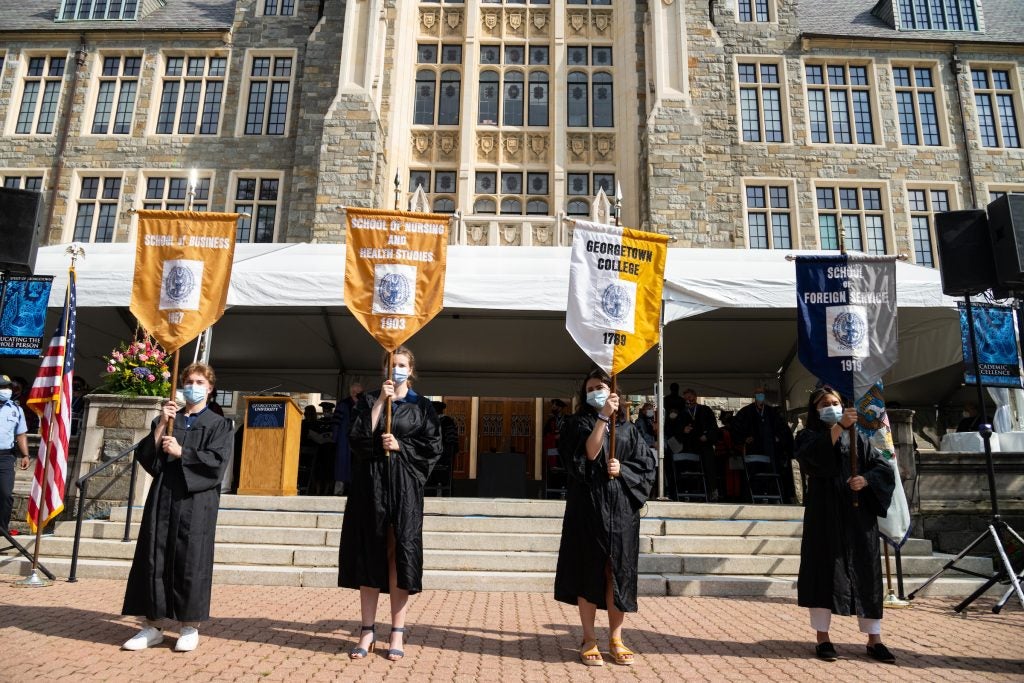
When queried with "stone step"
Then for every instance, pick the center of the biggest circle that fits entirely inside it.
(441, 579)
(483, 560)
(520, 507)
(761, 545)
(785, 586)
(789, 565)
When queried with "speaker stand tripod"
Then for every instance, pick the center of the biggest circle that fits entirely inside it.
(997, 528)
(24, 553)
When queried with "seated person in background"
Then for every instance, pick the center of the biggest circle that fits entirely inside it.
(971, 418)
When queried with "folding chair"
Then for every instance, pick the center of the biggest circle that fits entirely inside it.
(688, 482)
(762, 479)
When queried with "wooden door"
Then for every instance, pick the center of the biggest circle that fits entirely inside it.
(460, 409)
(507, 424)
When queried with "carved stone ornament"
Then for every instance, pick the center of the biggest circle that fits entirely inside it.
(447, 144)
(421, 143)
(540, 20)
(578, 146)
(453, 19)
(476, 234)
(577, 22)
(509, 233)
(538, 145)
(601, 22)
(515, 21)
(512, 146)
(604, 146)
(541, 234)
(429, 20)
(490, 20)
(486, 144)
(667, 2)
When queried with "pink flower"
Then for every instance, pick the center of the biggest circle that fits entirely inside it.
(143, 357)
(110, 368)
(166, 375)
(151, 378)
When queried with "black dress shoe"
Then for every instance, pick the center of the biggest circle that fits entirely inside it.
(881, 653)
(826, 651)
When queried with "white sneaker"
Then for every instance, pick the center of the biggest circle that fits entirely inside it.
(188, 640)
(147, 637)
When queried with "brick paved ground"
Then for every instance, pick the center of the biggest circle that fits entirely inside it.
(71, 632)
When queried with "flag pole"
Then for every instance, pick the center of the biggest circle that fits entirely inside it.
(853, 427)
(33, 580)
(169, 429)
(611, 430)
(387, 401)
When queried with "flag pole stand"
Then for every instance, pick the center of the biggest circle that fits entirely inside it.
(891, 601)
(28, 581)
(997, 528)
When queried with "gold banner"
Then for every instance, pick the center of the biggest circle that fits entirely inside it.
(394, 271)
(182, 271)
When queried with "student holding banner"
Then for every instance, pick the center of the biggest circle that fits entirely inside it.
(600, 547)
(172, 572)
(840, 568)
(382, 530)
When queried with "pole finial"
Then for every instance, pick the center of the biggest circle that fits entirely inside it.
(75, 251)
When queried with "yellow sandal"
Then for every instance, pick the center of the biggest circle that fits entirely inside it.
(591, 656)
(620, 653)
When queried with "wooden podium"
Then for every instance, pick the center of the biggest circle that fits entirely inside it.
(270, 447)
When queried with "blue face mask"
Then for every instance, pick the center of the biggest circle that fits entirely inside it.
(194, 394)
(759, 397)
(399, 375)
(831, 414)
(597, 398)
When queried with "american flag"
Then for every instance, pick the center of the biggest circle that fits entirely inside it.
(50, 397)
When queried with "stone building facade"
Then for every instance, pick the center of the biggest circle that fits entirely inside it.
(734, 123)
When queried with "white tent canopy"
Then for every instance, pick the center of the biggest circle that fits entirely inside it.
(730, 314)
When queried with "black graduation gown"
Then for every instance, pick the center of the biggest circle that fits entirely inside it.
(602, 515)
(839, 564)
(172, 573)
(388, 491)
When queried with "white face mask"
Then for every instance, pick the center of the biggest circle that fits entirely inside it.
(649, 413)
(597, 398)
(5, 395)
(831, 414)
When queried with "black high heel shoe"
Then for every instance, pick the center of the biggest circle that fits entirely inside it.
(360, 652)
(393, 653)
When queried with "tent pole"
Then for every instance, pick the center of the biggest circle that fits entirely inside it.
(659, 397)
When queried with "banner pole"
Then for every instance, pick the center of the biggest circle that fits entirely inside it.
(169, 430)
(387, 402)
(611, 430)
(853, 428)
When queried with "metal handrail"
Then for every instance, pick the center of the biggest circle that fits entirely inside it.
(83, 484)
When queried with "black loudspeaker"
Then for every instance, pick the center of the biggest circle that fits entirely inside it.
(19, 229)
(1006, 228)
(965, 252)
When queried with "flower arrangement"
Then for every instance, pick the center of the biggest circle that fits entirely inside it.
(137, 369)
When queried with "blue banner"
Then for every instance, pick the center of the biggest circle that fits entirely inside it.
(23, 301)
(996, 339)
(265, 415)
(846, 319)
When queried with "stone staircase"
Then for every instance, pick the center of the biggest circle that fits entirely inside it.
(493, 545)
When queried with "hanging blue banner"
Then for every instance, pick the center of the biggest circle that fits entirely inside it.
(23, 300)
(996, 339)
(846, 319)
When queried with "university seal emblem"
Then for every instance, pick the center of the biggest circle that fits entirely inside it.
(615, 302)
(849, 330)
(179, 284)
(393, 291)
